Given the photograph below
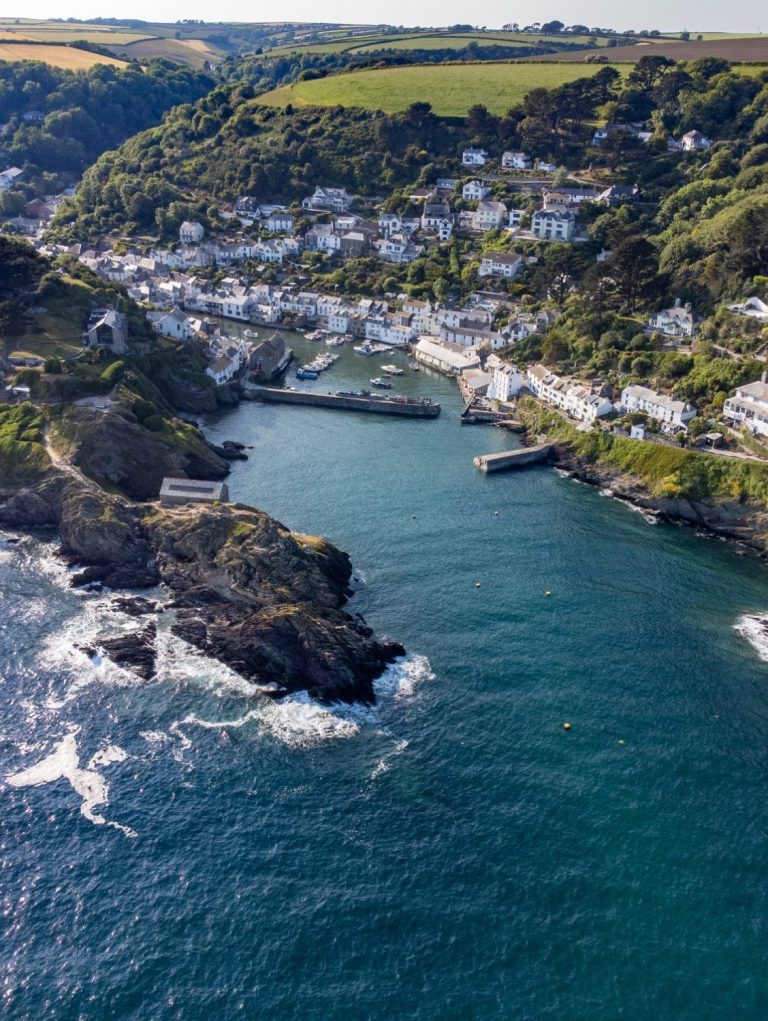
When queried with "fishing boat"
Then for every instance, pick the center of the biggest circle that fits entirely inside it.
(305, 373)
(334, 341)
(382, 384)
(393, 370)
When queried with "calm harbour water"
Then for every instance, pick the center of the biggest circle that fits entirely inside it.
(452, 854)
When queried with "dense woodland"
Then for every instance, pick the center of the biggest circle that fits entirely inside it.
(85, 112)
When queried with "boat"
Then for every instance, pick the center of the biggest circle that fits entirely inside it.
(393, 370)
(414, 366)
(334, 341)
(381, 383)
(305, 373)
(370, 349)
(314, 335)
(251, 334)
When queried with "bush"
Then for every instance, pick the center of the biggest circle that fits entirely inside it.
(113, 373)
(154, 423)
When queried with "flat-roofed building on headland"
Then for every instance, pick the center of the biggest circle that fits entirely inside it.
(177, 492)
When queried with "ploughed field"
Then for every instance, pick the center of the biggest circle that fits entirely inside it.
(67, 57)
(451, 89)
(749, 49)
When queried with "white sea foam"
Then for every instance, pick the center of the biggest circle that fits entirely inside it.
(64, 764)
(402, 677)
(385, 762)
(754, 627)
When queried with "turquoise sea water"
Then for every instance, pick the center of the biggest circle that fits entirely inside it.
(453, 853)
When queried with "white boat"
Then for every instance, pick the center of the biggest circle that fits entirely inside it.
(314, 335)
(393, 370)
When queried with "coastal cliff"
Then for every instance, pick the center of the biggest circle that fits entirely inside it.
(727, 497)
(242, 587)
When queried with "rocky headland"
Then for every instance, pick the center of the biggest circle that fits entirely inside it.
(239, 585)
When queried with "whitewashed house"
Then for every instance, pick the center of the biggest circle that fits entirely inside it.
(695, 141)
(678, 321)
(191, 232)
(507, 381)
(671, 414)
(749, 407)
(474, 157)
(175, 324)
(279, 222)
(500, 264)
(475, 190)
(489, 215)
(399, 249)
(516, 161)
(553, 224)
(546, 168)
(515, 217)
(9, 177)
(335, 199)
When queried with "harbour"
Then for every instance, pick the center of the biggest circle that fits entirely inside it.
(410, 407)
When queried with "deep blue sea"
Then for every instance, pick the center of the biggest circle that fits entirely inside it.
(182, 849)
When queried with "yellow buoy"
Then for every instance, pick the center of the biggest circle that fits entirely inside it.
(547, 593)
(566, 726)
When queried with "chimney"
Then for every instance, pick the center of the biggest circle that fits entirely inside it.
(677, 303)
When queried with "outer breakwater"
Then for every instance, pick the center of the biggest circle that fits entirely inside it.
(406, 406)
(508, 459)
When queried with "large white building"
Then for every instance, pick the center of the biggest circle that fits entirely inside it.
(749, 407)
(489, 215)
(191, 232)
(507, 381)
(678, 321)
(670, 413)
(473, 191)
(516, 161)
(553, 225)
(500, 264)
(474, 157)
(445, 358)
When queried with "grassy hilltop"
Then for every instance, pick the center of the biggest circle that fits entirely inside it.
(451, 89)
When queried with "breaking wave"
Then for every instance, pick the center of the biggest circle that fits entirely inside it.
(754, 627)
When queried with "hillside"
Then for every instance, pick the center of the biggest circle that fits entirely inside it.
(450, 89)
(746, 49)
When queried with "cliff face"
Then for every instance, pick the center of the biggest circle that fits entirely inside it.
(741, 520)
(113, 448)
(246, 590)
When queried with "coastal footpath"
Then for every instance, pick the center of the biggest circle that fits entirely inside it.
(723, 496)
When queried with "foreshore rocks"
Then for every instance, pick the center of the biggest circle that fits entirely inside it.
(741, 522)
(244, 589)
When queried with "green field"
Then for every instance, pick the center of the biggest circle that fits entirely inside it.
(431, 41)
(451, 88)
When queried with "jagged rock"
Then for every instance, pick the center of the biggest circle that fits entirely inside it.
(231, 451)
(134, 606)
(134, 651)
(245, 589)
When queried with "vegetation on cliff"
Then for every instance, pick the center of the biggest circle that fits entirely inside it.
(664, 470)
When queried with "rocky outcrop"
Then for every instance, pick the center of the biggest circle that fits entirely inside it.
(245, 589)
(113, 448)
(740, 521)
(134, 651)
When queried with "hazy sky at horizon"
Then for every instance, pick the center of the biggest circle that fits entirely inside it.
(670, 15)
